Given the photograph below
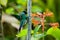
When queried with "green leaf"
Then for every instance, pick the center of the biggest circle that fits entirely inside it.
(3, 2)
(36, 29)
(54, 32)
(33, 38)
(22, 2)
(40, 35)
(19, 7)
(37, 36)
(10, 11)
(36, 9)
(23, 33)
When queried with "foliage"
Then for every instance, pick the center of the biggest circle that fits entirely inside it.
(3, 2)
(24, 32)
(49, 8)
(54, 32)
(10, 11)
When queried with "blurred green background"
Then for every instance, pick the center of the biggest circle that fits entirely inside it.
(15, 6)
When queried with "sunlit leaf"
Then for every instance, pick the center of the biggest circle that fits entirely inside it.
(3, 2)
(23, 33)
(36, 9)
(54, 32)
(22, 2)
(10, 11)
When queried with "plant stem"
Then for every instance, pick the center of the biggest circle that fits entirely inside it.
(43, 26)
(29, 19)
